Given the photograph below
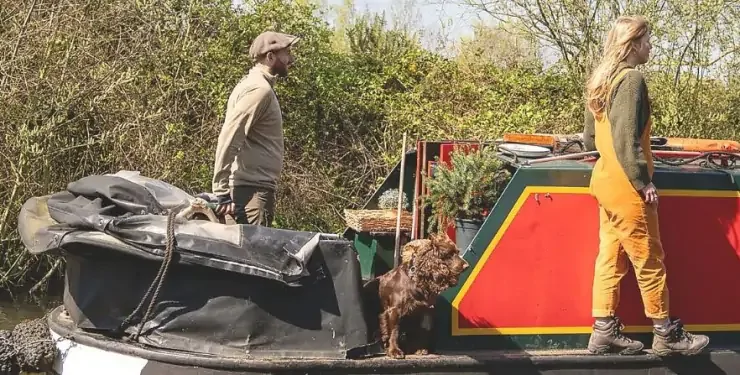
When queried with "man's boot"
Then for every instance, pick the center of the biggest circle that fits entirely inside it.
(674, 339)
(608, 338)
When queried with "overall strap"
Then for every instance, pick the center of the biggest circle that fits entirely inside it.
(616, 79)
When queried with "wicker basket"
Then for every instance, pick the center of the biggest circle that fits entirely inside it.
(379, 221)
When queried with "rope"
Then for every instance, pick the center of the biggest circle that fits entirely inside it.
(158, 280)
(572, 143)
(726, 164)
(708, 156)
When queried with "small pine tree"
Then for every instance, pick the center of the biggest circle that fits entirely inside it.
(468, 188)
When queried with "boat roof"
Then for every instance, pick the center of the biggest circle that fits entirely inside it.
(709, 161)
(587, 163)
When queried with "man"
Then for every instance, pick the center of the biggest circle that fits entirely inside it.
(249, 154)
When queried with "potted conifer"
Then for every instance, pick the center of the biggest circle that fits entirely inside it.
(466, 190)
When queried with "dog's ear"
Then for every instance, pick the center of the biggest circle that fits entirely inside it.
(445, 238)
(440, 238)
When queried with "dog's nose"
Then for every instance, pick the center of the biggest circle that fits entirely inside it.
(465, 263)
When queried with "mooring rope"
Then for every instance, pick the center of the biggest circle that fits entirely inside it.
(157, 283)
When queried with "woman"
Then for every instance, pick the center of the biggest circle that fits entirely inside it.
(618, 126)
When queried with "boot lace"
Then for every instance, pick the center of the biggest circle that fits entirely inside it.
(617, 331)
(679, 334)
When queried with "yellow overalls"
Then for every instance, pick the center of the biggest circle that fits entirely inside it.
(628, 228)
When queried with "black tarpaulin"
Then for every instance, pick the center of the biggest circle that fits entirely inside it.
(235, 290)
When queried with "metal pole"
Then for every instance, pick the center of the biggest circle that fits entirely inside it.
(397, 250)
(414, 216)
(422, 186)
(561, 157)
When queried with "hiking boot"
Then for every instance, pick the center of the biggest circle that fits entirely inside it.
(608, 338)
(675, 340)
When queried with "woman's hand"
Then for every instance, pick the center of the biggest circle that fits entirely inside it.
(649, 194)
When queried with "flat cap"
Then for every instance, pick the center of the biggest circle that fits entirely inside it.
(270, 41)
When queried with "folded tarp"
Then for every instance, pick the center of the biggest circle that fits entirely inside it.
(236, 290)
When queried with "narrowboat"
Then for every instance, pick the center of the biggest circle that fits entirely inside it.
(148, 293)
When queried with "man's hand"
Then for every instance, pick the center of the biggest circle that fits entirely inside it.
(225, 205)
(649, 194)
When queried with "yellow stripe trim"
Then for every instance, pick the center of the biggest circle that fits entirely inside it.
(529, 190)
(583, 330)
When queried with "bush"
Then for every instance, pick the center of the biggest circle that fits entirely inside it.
(95, 87)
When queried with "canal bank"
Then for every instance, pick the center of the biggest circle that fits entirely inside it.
(14, 312)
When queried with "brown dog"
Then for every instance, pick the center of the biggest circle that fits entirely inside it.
(408, 292)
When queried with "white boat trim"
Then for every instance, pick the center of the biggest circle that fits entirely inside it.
(77, 359)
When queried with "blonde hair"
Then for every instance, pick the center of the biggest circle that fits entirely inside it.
(620, 42)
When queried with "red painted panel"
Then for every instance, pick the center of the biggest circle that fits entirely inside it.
(541, 272)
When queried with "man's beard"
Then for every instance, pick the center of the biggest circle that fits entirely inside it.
(280, 69)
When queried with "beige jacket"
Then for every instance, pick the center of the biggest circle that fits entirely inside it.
(250, 147)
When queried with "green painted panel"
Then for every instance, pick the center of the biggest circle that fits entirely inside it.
(375, 253)
(365, 247)
(385, 245)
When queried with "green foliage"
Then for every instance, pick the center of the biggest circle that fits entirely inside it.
(96, 87)
(368, 36)
(468, 187)
(504, 45)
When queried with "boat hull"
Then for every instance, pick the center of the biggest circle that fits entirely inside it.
(83, 353)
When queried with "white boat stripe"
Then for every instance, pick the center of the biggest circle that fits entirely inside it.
(73, 359)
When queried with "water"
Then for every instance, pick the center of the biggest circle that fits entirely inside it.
(14, 312)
